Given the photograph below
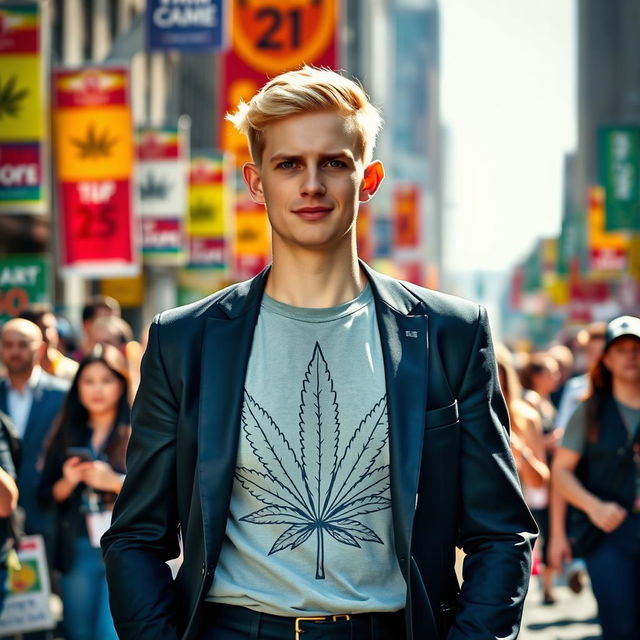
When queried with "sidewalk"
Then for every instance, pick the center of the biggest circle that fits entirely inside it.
(572, 617)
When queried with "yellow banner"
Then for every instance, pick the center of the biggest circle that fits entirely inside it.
(206, 210)
(634, 257)
(557, 288)
(21, 110)
(252, 233)
(599, 237)
(129, 292)
(94, 143)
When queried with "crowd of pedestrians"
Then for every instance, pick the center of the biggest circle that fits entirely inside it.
(576, 443)
(64, 413)
(64, 428)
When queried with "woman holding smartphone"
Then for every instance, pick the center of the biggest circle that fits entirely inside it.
(83, 472)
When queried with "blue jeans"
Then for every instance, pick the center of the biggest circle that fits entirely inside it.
(85, 597)
(614, 569)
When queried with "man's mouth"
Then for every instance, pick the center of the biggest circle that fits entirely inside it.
(313, 213)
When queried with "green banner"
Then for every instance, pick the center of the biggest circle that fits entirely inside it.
(619, 173)
(572, 242)
(532, 270)
(23, 281)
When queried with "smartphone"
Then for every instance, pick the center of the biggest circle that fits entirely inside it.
(84, 453)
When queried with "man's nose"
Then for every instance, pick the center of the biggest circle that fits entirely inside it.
(312, 183)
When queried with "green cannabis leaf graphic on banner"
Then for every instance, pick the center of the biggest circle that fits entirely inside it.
(11, 97)
(322, 488)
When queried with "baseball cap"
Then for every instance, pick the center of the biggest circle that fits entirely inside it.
(622, 326)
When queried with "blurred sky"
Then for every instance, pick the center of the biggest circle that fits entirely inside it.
(509, 103)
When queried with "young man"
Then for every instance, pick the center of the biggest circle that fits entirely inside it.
(321, 437)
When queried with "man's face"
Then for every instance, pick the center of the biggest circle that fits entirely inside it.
(311, 178)
(49, 328)
(622, 358)
(21, 350)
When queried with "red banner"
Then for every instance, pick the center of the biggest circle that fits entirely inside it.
(406, 215)
(94, 160)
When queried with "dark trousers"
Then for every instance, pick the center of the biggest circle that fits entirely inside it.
(237, 623)
(614, 569)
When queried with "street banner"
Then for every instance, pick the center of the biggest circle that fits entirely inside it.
(209, 210)
(406, 215)
(532, 270)
(634, 257)
(94, 160)
(268, 38)
(608, 250)
(23, 282)
(515, 288)
(572, 242)
(129, 292)
(619, 174)
(383, 237)
(26, 607)
(161, 194)
(251, 247)
(412, 271)
(185, 25)
(23, 109)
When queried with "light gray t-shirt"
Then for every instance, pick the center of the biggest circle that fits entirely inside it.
(575, 435)
(310, 525)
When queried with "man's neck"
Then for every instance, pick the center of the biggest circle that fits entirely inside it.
(628, 393)
(315, 279)
(20, 381)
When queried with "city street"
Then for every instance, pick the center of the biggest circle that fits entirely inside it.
(573, 617)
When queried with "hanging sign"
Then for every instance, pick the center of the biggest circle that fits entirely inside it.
(185, 25)
(269, 38)
(209, 210)
(619, 172)
(252, 238)
(608, 250)
(94, 162)
(161, 194)
(406, 214)
(22, 109)
(23, 282)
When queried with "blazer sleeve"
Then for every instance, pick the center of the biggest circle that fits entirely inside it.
(144, 530)
(496, 528)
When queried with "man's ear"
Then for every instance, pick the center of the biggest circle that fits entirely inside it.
(373, 177)
(251, 175)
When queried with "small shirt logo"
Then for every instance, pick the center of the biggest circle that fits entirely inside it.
(411, 334)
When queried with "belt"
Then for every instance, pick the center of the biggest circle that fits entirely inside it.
(294, 627)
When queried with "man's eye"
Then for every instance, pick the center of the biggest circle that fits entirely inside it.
(336, 164)
(285, 164)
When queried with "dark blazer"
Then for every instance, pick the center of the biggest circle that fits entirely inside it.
(453, 479)
(49, 394)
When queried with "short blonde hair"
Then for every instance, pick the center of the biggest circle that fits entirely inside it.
(307, 90)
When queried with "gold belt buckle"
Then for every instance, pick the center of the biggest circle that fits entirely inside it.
(334, 618)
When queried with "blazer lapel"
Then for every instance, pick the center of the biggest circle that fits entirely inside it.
(403, 326)
(225, 356)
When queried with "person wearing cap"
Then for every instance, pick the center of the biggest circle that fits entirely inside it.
(597, 470)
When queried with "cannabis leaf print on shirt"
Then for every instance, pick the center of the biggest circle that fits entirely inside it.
(324, 485)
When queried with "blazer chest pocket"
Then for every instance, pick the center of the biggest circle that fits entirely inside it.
(442, 417)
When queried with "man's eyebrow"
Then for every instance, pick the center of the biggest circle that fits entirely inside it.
(340, 153)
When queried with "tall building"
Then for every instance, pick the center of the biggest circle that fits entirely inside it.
(393, 47)
(608, 78)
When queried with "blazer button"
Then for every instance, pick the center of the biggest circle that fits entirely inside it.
(203, 569)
